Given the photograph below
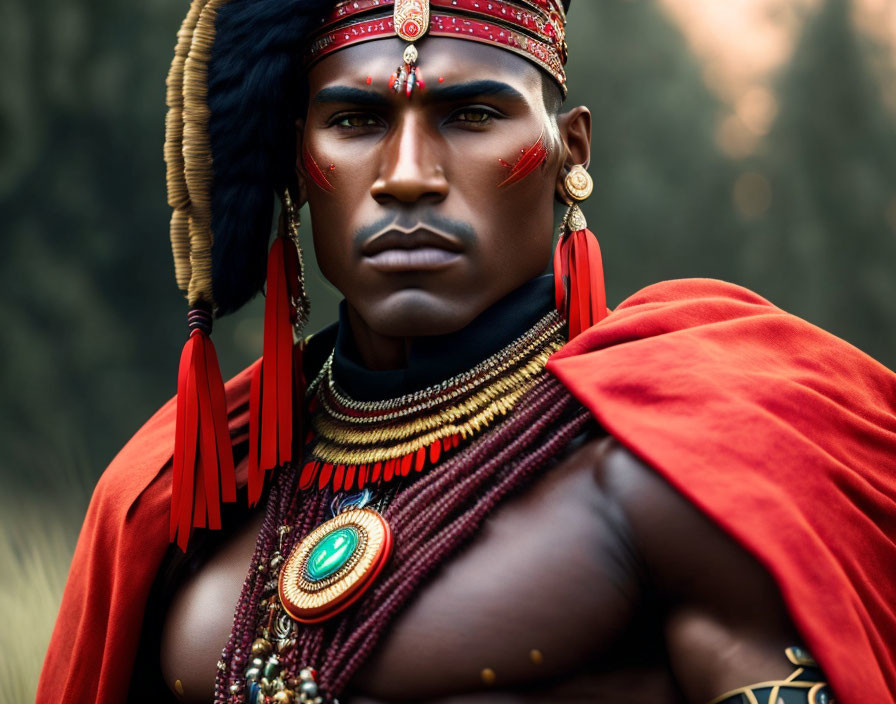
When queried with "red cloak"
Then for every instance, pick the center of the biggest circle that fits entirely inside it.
(780, 432)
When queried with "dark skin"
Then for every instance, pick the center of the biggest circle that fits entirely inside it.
(628, 592)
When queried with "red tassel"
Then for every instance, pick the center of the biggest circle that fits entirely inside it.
(326, 474)
(349, 477)
(579, 281)
(203, 473)
(338, 476)
(273, 391)
(309, 472)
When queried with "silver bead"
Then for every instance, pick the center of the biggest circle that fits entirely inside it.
(309, 688)
(306, 674)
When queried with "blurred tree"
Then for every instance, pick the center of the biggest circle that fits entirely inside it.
(91, 319)
(661, 207)
(826, 247)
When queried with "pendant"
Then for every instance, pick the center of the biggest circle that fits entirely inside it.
(410, 19)
(334, 565)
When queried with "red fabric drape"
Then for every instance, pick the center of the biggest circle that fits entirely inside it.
(782, 433)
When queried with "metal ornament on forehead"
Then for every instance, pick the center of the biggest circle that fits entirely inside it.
(411, 21)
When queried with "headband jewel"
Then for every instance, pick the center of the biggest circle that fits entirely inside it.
(410, 19)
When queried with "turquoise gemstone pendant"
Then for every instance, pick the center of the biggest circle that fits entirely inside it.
(331, 554)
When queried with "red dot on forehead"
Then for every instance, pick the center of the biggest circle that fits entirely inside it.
(441, 79)
(369, 80)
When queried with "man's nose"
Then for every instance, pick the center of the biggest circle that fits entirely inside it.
(411, 170)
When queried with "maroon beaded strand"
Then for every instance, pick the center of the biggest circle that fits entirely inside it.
(431, 519)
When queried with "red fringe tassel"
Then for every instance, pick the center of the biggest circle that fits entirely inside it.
(348, 477)
(273, 394)
(203, 458)
(579, 281)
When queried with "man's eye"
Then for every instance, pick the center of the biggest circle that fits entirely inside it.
(474, 116)
(356, 120)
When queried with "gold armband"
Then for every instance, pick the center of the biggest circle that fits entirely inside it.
(804, 686)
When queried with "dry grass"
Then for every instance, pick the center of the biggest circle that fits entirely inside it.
(36, 545)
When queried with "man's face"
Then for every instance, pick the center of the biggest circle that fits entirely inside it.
(420, 219)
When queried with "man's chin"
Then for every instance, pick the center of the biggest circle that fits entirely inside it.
(419, 313)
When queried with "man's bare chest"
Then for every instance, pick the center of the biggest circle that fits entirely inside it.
(538, 597)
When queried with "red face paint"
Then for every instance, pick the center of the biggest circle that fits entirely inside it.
(314, 171)
(529, 160)
(369, 80)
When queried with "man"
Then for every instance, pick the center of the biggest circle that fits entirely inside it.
(691, 499)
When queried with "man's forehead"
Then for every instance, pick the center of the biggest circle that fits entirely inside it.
(443, 61)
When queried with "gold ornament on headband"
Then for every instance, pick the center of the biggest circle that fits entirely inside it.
(411, 21)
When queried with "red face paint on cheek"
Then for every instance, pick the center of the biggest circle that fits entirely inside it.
(529, 161)
(315, 172)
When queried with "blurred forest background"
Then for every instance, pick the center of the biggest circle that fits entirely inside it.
(749, 140)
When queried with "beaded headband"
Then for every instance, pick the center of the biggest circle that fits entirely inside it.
(533, 29)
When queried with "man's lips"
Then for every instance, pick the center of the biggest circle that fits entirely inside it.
(417, 259)
(418, 238)
(419, 249)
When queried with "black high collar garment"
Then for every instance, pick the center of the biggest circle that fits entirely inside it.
(431, 360)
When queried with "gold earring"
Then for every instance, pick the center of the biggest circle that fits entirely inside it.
(578, 186)
(298, 293)
(293, 220)
(578, 183)
(578, 268)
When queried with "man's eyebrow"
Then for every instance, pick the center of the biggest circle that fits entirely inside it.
(348, 94)
(442, 93)
(474, 89)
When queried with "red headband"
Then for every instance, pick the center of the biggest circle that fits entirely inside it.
(534, 29)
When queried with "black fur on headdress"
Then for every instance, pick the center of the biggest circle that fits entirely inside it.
(255, 94)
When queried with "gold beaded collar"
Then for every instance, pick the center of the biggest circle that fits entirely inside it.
(352, 443)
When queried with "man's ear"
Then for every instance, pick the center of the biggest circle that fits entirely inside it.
(301, 176)
(575, 132)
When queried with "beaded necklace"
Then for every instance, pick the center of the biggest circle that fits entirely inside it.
(308, 568)
(355, 442)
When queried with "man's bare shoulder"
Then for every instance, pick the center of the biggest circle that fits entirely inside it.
(726, 625)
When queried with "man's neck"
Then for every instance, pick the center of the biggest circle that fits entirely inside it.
(378, 352)
(370, 366)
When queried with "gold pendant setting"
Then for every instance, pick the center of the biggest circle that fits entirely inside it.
(334, 565)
